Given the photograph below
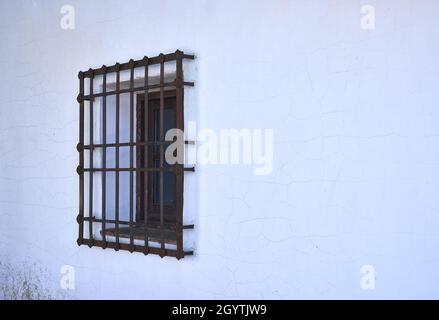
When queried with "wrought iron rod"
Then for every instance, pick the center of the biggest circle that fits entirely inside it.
(137, 248)
(162, 151)
(145, 154)
(151, 225)
(117, 159)
(104, 155)
(180, 176)
(135, 89)
(137, 63)
(131, 153)
(138, 160)
(156, 169)
(81, 160)
(136, 144)
(90, 209)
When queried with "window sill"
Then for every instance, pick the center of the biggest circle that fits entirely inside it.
(154, 235)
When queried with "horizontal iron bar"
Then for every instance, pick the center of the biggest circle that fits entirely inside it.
(128, 90)
(136, 248)
(170, 169)
(129, 169)
(128, 144)
(149, 225)
(139, 63)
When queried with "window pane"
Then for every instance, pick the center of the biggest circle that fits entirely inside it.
(168, 186)
(168, 119)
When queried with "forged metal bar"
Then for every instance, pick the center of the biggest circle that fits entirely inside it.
(90, 209)
(137, 63)
(117, 157)
(137, 144)
(145, 155)
(168, 226)
(131, 63)
(162, 150)
(81, 159)
(104, 155)
(137, 248)
(149, 169)
(138, 155)
(128, 90)
(179, 173)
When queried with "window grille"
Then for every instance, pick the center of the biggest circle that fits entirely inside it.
(154, 221)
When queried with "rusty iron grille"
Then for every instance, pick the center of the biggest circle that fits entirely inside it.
(150, 221)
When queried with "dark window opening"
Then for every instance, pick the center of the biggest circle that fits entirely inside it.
(150, 195)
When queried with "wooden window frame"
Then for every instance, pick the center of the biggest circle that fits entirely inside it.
(145, 193)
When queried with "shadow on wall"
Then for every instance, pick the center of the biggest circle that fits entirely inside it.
(26, 281)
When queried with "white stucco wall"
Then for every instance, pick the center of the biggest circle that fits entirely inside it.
(356, 156)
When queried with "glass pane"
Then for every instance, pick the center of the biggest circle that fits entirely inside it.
(168, 121)
(168, 177)
(168, 186)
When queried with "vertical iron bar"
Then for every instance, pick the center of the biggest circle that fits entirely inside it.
(81, 159)
(104, 155)
(117, 154)
(131, 152)
(180, 173)
(138, 123)
(145, 156)
(90, 209)
(162, 139)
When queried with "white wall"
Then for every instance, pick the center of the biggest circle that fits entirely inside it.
(356, 132)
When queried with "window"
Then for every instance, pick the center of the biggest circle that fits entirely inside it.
(130, 198)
